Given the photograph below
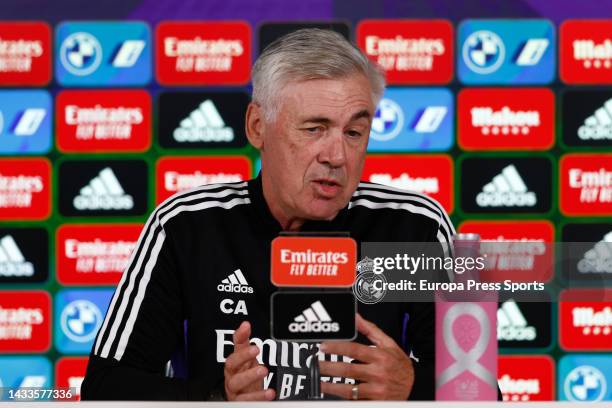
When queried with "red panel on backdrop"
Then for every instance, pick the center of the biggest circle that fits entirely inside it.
(25, 53)
(506, 119)
(210, 53)
(25, 321)
(25, 189)
(410, 51)
(94, 254)
(585, 52)
(103, 121)
(526, 378)
(586, 184)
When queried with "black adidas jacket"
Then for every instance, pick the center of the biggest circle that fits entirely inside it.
(168, 306)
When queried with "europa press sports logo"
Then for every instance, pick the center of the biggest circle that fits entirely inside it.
(506, 51)
(94, 254)
(587, 118)
(520, 385)
(504, 119)
(25, 53)
(585, 378)
(585, 320)
(585, 52)
(103, 187)
(427, 174)
(586, 184)
(103, 53)
(180, 173)
(410, 51)
(211, 53)
(413, 120)
(25, 189)
(78, 317)
(25, 121)
(103, 121)
(506, 184)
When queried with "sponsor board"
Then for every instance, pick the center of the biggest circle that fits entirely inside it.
(269, 32)
(585, 51)
(179, 173)
(70, 372)
(506, 119)
(517, 51)
(105, 53)
(589, 258)
(24, 255)
(520, 385)
(521, 251)
(22, 373)
(25, 121)
(313, 316)
(25, 53)
(78, 317)
(524, 324)
(103, 187)
(409, 51)
(25, 189)
(103, 121)
(585, 184)
(201, 120)
(585, 378)
(94, 254)
(585, 319)
(427, 174)
(506, 185)
(587, 118)
(25, 321)
(413, 120)
(203, 53)
(313, 261)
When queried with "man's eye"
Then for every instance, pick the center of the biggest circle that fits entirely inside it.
(354, 133)
(315, 129)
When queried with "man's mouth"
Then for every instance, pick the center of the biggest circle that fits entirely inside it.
(327, 188)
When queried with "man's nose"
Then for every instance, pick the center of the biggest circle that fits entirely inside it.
(333, 151)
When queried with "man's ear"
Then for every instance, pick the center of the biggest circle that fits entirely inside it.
(254, 125)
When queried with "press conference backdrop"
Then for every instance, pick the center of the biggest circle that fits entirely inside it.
(502, 111)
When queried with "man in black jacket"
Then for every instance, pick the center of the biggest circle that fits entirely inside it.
(314, 97)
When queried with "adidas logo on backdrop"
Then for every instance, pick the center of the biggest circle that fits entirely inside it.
(314, 319)
(104, 192)
(507, 189)
(204, 124)
(235, 283)
(599, 125)
(599, 258)
(511, 323)
(12, 261)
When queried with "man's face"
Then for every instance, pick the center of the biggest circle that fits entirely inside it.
(313, 151)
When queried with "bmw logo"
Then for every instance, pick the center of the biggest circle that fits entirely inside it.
(388, 121)
(80, 320)
(81, 53)
(585, 383)
(483, 52)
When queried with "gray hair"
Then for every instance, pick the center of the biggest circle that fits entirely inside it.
(305, 54)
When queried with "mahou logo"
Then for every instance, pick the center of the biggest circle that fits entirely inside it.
(94, 254)
(25, 53)
(175, 174)
(516, 250)
(428, 174)
(586, 184)
(503, 119)
(585, 323)
(209, 53)
(313, 261)
(25, 321)
(25, 189)
(410, 52)
(520, 385)
(103, 121)
(585, 52)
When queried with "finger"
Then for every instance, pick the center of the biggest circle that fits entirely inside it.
(359, 352)
(241, 335)
(262, 395)
(378, 337)
(366, 390)
(362, 372)
(237, 359)
(243, 380)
